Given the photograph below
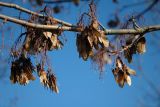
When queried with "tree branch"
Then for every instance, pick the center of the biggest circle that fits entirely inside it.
(38, 26)
(15, 6)
(61, 1)
(142, 30)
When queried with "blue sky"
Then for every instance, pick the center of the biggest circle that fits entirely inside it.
(79, 84)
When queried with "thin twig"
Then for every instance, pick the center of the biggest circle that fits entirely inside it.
(15, 6)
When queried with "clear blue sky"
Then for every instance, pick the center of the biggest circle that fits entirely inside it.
(79, 84)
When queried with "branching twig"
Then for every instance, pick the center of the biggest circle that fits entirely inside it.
(147, 9)
(78, 29)
(15, 6)
(38, 26)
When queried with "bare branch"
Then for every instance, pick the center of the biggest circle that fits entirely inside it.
(15, 6)
(142, 30)
(61, 1)
(38, 26)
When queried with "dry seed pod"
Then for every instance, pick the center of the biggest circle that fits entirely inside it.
(141, 45)
(128, 80)
(21, 71)
(130, 71)
(119, 62)
(23, 79)
(94, 25)
(43, 77)
(39, 41)
(56, 43)
(83, 46)
(128, 53)
(120, 78)
(52, 82)
(103, 41)
(122, 73)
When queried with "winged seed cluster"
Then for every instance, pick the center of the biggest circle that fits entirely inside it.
(21, 71)
(36, 41)
(91, 43)
(47, 79)
(89, 39)
(122, 73)
(138, 47)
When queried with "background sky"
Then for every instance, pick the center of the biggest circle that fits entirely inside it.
(79, 83)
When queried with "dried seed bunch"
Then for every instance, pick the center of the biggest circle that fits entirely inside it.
(141, 45)
(89, 39)
(92, 37)
(21, 71)
(47, 79)
(122, 73)
(138, 47)
(38, 40)
(52, 82)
